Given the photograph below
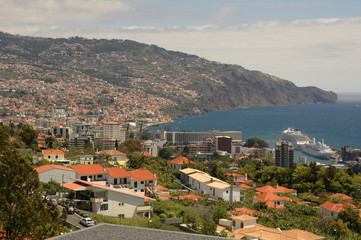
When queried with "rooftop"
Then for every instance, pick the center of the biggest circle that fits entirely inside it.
(52, 166)
(89, 169)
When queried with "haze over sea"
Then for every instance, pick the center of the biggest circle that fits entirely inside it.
(338, 124)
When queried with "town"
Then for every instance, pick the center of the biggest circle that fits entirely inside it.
(212, 183)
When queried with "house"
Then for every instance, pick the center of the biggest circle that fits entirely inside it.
(57, 173)
(271, 200)
(100, 199)
(118, 176)
(223, 191)
(190, 196)
(142, 179)
(151, 147)
(332, 209)
(277, 190)
(184, 175)
(179, 163)
(86, 159)
(91, 172)
(341, 196)
(198, 181)
(54, 155)
(115, 155)
(237, 178)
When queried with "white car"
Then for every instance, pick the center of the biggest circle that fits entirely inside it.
(87, 222)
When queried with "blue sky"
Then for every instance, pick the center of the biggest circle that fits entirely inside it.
(309, 42)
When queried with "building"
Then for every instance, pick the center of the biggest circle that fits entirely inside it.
(192, 137)
(54, 155)
(101, 199)
(284, 153)
(57, 173)
(333, 209)
(91, 172)
(224, 143)
(141, 180)
(86, 159)
(61, 131)
(151, 147)
(115, 155)
(179, 163)
(206, 184)
(113, 131)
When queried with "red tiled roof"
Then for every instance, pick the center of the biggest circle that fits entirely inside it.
(142, 175)
(180, 161)
(280, 189)
(117, 172)
(244, 186)
(161, 188)
(89, 169)
(235, 175)
(341, 195)
(165, 196)
(271, 204)
(244, 211)
(147, 154)
(52, 166)
(266, 188)
(52, 151)
(268, 196)
(336, 207)
(75, 185)
(190, 196)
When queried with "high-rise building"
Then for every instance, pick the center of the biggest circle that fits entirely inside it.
(224, 143)
(284, 153)
(113, 131)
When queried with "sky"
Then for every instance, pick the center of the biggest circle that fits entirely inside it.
(309, 42)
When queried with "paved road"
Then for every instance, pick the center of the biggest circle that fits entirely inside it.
(73, 219)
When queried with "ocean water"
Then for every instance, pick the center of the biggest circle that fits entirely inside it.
(338, 124)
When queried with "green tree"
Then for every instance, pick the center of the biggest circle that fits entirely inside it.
(130, 146)
(29, 136)
(256, 142)
(351, 217)
(22, 212)
(165, 153)
(219, 213)
(339, 228)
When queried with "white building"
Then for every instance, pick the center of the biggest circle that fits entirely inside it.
(100, 199)
(114, 131)
(57, 173)
(151, 147)
(86, 159)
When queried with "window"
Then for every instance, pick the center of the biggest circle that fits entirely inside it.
(83, 178)
(135, 190)
(150, 181)
(56, 156)
(141, 182)
(49, 156)
(142, 190)
(227, 191)
(135, 184)
(121, 204)
(104, 207)
(125, 180)
(100, 176)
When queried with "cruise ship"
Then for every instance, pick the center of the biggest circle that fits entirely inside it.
(297, 137)
(319, 149)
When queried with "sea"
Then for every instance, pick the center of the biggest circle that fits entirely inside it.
(338, 124)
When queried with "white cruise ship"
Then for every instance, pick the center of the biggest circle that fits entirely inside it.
(297, 137)
(319, 149)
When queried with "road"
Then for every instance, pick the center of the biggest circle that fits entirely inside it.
(72, 219)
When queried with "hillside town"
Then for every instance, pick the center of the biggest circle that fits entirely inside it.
(212, 183)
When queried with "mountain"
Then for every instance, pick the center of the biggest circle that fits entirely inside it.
(179, 84)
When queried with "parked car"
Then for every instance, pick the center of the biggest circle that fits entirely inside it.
(87, 222)
(70, 210)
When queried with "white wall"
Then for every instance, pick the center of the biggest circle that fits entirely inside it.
(57, 175)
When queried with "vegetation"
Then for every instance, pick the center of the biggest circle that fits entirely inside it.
(256, 142)
(22, 212)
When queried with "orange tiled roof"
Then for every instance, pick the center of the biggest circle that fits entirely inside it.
(117, 172)
(142, 175)
(268, 196)
(336, 207)
(89, 169)
(235, 175)
(266, 188)
(74, 185)
(271, 204)
(244, 186)
(147, 154)
(161, 188)
(52, 166)
(341, 195)
(244, 211)
(280, 189)
(180, 161)
(190, 196)
(165, 196)
(52, 152)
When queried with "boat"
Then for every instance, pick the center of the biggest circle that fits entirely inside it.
(297, 137)
(319, 149)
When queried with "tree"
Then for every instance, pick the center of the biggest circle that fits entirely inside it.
(130, 146)
(219, 213)
(22, 212)
(339, 228)
(256, 142)
(29, 136)
(351, 217)
(165, 153)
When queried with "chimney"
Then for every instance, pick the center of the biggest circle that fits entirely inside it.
(261, 233)
(246, 176)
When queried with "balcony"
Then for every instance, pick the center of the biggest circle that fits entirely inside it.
(96, 200)
(144, 208)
